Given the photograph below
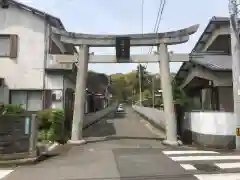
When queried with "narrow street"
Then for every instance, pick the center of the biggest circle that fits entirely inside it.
(124, 146)
(121, 146)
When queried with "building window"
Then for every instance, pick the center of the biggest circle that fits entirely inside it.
(8, 45)
(30, 100)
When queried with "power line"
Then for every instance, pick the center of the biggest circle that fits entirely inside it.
(156, 28)
(157, 23)
(158, 20)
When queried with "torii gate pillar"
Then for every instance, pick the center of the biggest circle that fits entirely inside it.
(80, 92)
(166, 86)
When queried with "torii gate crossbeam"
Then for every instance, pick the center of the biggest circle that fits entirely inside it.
(161, 40)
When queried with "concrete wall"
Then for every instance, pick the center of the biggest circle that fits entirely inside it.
(96, 116)
(155, 116)
(53, 81)
(212, 129)
(26, 71)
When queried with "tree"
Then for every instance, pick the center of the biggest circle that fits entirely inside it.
(125, 87)
(142, 72)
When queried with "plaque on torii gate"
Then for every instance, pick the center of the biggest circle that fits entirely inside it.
(123, 47)
(161, 40)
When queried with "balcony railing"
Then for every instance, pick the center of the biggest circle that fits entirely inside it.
(53, 64)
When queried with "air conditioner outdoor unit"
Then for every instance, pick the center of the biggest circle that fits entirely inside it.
(57, 95)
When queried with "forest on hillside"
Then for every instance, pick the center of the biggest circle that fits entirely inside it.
(125, 87)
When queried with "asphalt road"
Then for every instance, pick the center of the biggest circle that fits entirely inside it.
(121, 146)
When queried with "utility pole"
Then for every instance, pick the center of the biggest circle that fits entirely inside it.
(140, 84)
(153, 92)
(235, 50)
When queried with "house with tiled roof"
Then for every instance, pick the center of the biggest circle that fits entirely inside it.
(207, 80)
(207, 77)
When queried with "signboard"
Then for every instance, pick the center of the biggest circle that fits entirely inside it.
(237, 131)
(14, 134)
(123, 49)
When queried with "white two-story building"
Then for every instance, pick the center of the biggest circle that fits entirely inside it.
(29, 75)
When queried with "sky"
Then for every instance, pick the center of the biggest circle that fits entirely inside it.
(125, 17)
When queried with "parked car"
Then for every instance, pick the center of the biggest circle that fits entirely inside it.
(120, 108)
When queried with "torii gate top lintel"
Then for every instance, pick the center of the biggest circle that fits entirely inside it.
(148, 39)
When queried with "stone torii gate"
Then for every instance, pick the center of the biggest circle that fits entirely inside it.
(161, 40)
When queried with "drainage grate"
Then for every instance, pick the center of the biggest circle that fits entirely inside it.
(207, 167)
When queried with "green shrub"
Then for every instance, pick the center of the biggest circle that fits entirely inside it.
(11, 109)
(45, 118)
(51, 125)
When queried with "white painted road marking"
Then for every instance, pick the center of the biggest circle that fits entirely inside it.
(4, 173)
(195, 156)
(228, 176)
(228, 165)
(202, 158)
(189, 152)
(188, 167)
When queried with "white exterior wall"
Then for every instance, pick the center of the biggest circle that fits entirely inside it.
(214, 123)
(27, 70)
(53, 81)
(211, 123)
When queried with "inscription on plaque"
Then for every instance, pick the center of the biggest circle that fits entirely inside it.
(123, 49)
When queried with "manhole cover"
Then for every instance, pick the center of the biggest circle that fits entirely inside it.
(207, 167)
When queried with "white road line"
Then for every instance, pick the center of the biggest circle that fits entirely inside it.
(4, 173)
(189, 152)
(188, 167)
(228, 165)
(202, 158)
(228, 176)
